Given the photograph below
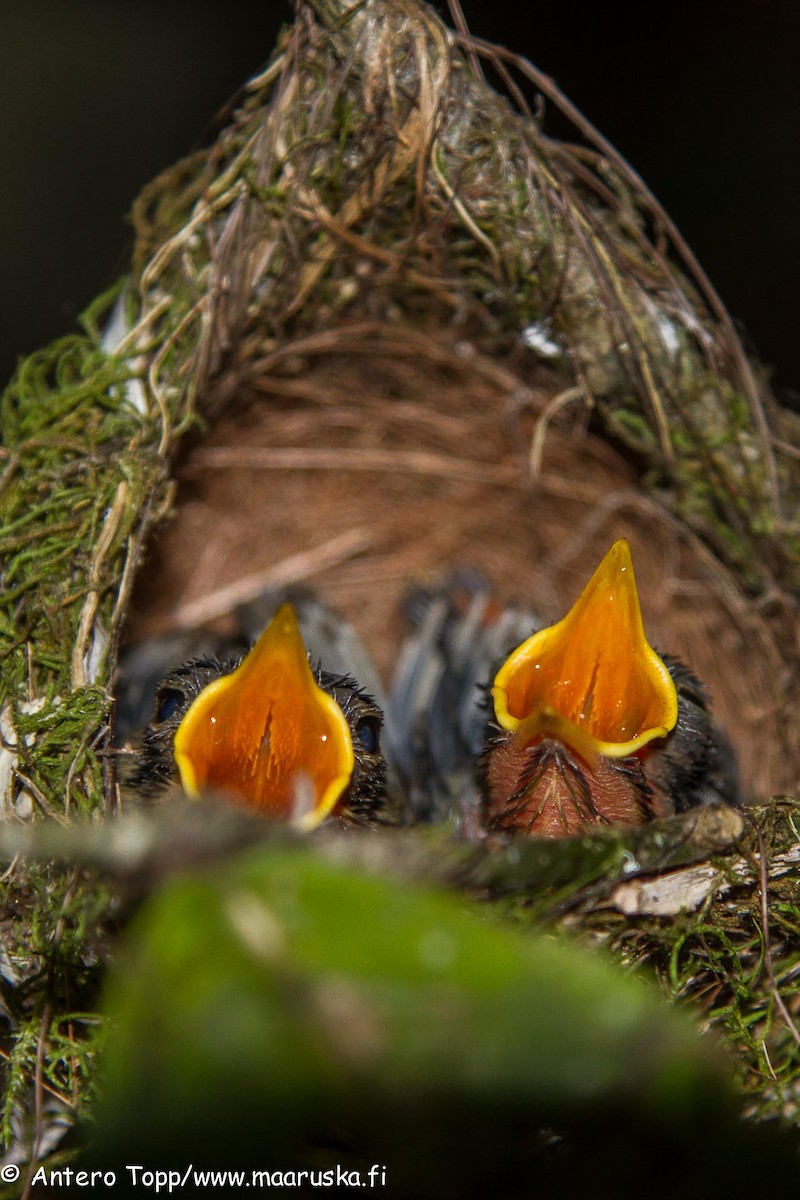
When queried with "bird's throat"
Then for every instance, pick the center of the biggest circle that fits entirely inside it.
(546, 789)
(267, 734)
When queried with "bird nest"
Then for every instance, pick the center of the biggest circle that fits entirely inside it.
(386, 323)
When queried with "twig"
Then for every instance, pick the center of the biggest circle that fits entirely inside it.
(40, 798)
(772, 983)
(460, 22)
(551, 89)
(46, 1087)
(293, 569)
(415, 462)
(90, 605)
(540, 428)
(38, 1088)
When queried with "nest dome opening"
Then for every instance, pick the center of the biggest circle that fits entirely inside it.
(402, 454)
(384, 326)
(422, 334)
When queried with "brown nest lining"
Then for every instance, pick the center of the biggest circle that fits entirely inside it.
(404, 305)
(423, 333)
(403, 454)
(373, 199)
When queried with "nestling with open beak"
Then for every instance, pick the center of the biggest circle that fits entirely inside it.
(593, 727)
(270, 733)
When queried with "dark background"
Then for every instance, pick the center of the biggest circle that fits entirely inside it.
(96, 97)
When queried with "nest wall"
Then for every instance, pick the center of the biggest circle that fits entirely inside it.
(380, 274)
(403, 194)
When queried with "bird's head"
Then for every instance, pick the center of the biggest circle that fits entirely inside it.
(267, 734)
(575, 703)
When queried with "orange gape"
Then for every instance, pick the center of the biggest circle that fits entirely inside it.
(592, 680)
(267, 734)
(579, 705)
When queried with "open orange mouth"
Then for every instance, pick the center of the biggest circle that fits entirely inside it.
(592, 680)
(267, 734)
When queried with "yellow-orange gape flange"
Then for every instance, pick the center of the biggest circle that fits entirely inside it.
(268, 732)
(592, 726)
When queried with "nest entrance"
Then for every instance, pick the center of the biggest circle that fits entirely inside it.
(364, 471)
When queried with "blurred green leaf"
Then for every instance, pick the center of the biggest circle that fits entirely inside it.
(286, 1012)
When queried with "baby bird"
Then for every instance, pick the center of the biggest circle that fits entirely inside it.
(592, 727)
(436, 714)
(269, 732)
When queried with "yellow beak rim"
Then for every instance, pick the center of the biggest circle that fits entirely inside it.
(267, 734)
(592, 679)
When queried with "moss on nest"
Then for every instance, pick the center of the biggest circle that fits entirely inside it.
(371, 175)
(406, 189)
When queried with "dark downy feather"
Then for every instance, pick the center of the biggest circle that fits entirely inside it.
(365, 801)
(437, 709)
(696, 764)
(443, 734)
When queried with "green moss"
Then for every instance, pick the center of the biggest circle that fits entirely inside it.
(370, 134)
